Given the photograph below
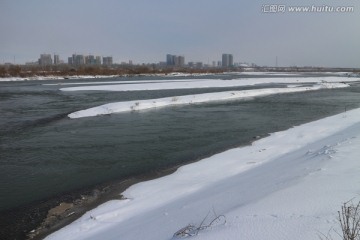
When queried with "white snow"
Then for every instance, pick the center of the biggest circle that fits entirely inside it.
(289, 185)
(340, 74)
(207, 83)
(137, 105)
(16, 79)
(119, 82)
(175, 74)
(269, 73)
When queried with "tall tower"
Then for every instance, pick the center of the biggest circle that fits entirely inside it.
(170, 61)
(227, 60)
(56, 59)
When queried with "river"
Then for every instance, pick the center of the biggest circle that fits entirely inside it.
(44, 154)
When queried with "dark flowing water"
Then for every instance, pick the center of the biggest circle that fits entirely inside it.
(44, 154)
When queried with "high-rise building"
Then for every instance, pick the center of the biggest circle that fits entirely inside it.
(45, 60)
(227, 60)
(90, 60)
(79, 60)
(56, 59)
(73, 59)
(180, 61)
(231, 60)
(107, 61)
(70, 61)
(173, 60)
(170, 60)
(76, 60)
(98, 60)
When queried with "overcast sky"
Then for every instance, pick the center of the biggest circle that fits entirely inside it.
(146, 30)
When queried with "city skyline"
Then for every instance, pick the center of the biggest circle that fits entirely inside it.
(144, 31)
(45, 59)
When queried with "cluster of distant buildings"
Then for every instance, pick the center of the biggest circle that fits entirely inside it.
(45, 60)
(75, 60)
(78, 60)
(179, 61)
(174, 60)
(227, 61)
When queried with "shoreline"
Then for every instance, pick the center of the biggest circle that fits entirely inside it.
(82, 201)
(67, 212)
(174, 74)
(59, 211)
(114, 216)
(115, 189)
(78, 202)
(80, 77)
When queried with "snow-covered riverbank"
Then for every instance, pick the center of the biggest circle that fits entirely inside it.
(205, 83)
(43, 78)
(34, 78)
(289, 185)
(176, 74)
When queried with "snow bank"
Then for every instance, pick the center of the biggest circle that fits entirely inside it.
(14, 79)
(121, 82)
(192, 99)
(285, 186)
(207, 83)
(268, 73)
(17, 79)
(340, 74)
(174, 74)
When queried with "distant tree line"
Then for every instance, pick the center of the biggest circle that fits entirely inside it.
(66, 70)
(121, 70)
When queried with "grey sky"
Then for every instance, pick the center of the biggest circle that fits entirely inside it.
(201, 30)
